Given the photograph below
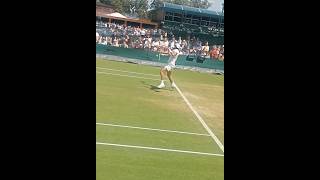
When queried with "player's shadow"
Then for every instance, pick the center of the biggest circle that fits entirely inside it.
(153, 87)
(150, 86)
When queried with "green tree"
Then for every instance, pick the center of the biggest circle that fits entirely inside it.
(105, 1)
(205, 4)
(118, 5)
(157, 3)
(200, 4)
(142, 8)
(128, 5)
(181, 2)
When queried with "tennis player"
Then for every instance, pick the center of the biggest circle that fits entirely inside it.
(167, 70)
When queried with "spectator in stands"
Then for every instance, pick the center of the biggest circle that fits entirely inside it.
(149, 39)
(192, 50)
(217, 52)
(108, 40)
(127, 42)
(142, 32)
(100, 40)
(172, 42)
(140, 42)
(212, 52)
(222, 50)
(103, 41)
(184, 46)
(221, 57)
(205, 49)
(198, 47)
(155, 45)
(115, 42)
(147, 43)
(193, 43)
(97, 37)
(180, 40)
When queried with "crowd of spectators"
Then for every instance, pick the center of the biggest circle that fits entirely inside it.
(156, 40)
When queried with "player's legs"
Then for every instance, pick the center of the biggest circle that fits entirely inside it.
(169, 74)
(167, 70)
(163, 72)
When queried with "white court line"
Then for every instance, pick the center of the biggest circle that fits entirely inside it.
(214, 137)
(151, 129)
(158, 149)
(127, 71)
(127, 75)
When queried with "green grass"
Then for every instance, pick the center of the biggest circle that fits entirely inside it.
(136, 164)
(135, 102)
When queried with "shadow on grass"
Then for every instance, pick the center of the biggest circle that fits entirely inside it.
(155, 88)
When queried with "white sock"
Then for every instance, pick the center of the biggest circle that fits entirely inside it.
(162, 82)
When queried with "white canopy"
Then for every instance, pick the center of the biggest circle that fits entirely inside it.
(118, 15)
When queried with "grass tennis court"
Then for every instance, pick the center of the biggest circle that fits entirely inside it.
(145, 133)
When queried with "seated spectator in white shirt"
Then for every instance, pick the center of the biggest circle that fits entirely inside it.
(205, 49)
(142, 32)
(180, 40)
(171, 45)
(116, 42)
(97, 36)
(125, 44)
(155, 45)
(103, 41)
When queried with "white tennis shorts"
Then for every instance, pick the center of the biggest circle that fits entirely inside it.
(169, 67)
